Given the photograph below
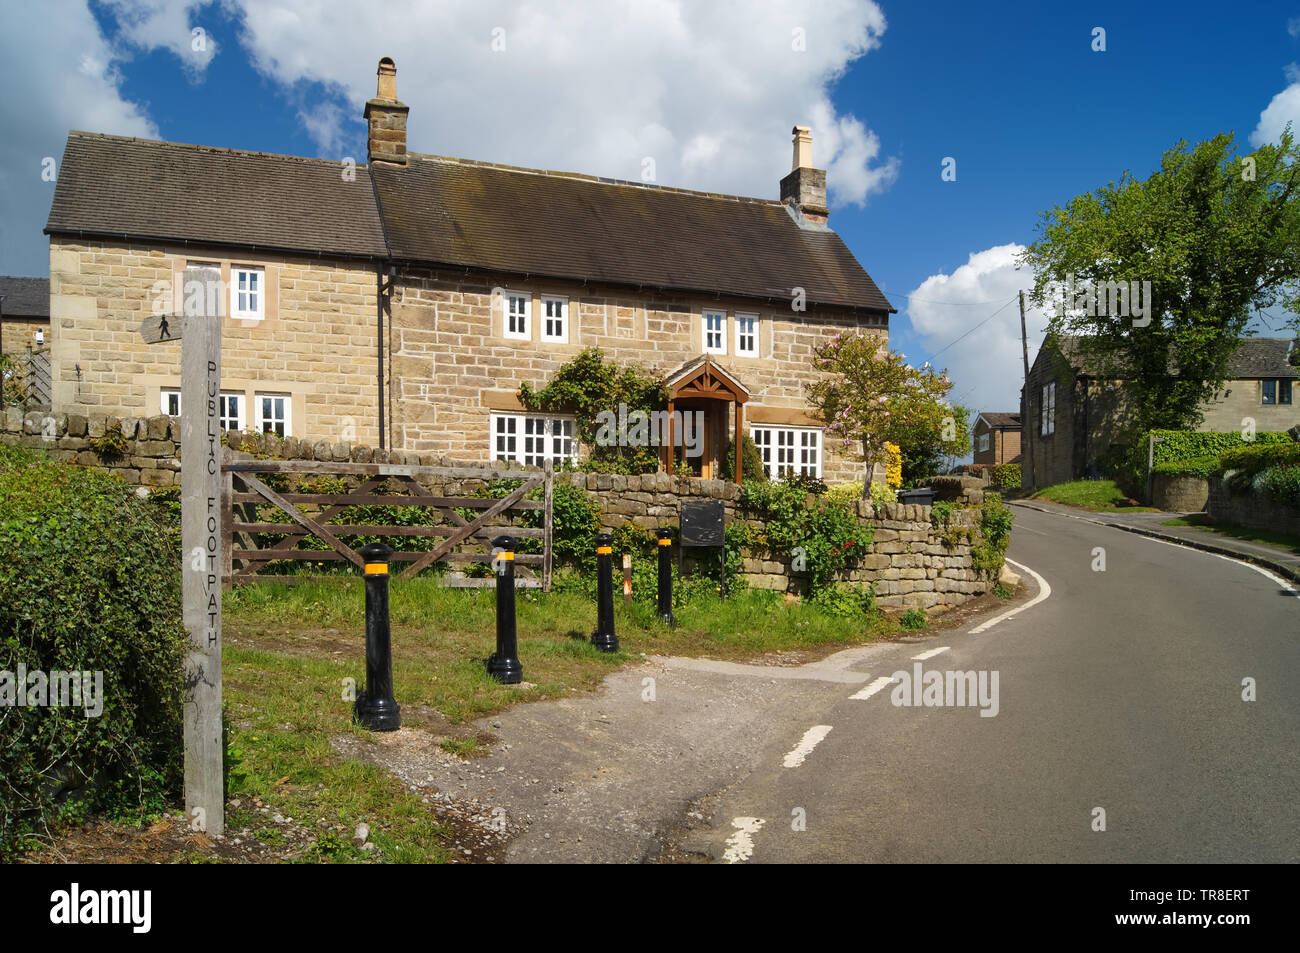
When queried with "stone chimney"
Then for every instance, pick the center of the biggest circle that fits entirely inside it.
(804, 188)
(386, 118)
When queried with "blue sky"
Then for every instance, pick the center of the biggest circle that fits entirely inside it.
(1013, 92)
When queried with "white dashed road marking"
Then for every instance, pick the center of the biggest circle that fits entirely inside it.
(930, 654)
(811, 738)
(874, 687)
(740, 845)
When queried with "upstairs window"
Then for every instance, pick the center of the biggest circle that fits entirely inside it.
(247, 293)
(984, 443)
(516, 317)
(747, 334)
(715, 332)
(1047, 411)
(555, 318)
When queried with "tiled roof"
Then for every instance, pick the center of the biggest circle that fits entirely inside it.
(455, 212)
(1255, 358)
(110, 186)
(25, 297)
(1264, 357)
(530, 222)
(998, 421)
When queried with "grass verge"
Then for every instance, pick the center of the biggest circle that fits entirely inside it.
(289, 650)
(1096, 495)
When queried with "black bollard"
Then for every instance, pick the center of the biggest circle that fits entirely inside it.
(376, 708)
(665, 576)
(604, 638)
(504, 664)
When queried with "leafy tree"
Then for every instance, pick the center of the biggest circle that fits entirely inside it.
(585, 387)
(872, 397)
(1214, 234)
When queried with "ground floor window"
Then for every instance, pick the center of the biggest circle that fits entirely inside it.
(532, 440)
(231, 410)
(789, 450)
(272, 413)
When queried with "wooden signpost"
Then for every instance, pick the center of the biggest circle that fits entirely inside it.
(199, 331)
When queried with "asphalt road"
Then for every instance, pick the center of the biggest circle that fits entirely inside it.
(1121, 690)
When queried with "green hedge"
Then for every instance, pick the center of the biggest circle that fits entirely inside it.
(91, 581)
(1006, 476)
(1196, 466)
(1129, 469)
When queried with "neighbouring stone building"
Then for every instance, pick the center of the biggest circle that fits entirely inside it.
(24, 314)
(402, 303)
(1073, 413)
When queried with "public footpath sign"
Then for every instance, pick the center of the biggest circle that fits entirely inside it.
(199, 331)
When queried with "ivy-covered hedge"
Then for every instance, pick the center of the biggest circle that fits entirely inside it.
(90, 577)
(1195, 467)
(1176, 446)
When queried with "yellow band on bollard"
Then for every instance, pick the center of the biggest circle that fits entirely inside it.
(509, 556)
(665, 542)
(604, 550)
(376, 569)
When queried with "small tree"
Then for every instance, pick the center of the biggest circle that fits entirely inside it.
(872, 397)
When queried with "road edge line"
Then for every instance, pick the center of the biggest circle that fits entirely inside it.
(1044, 590)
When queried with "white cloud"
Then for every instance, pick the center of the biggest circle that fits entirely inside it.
(175, 25)
(708, 91)
(986, 365)
(1282, 109)
(58, 74)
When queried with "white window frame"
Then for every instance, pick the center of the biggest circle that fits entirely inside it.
(288, 410)
(531, 439)
(721, 332)
(752, 335)
(258, 312)
(559, 321)
(240, 410)
(526, 333)
(799, 449)
(984, 442)
(1047, 411)
(168, 392)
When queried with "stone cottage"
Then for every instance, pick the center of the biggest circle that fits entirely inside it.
(403, 302)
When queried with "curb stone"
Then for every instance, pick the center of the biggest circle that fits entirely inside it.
(1282, 569)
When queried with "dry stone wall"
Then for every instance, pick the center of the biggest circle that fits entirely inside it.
(911, 562)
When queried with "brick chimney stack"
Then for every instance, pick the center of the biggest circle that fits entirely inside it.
(804, 188)
(386, 118)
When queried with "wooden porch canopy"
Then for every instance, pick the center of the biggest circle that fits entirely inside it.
(701, 378)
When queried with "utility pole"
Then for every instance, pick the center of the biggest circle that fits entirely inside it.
(1026, 424)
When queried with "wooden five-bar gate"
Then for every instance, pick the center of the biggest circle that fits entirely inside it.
(310, 513)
